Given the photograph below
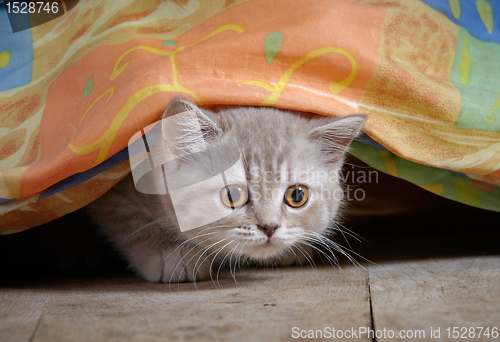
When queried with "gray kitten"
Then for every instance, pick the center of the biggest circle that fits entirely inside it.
(281, 197)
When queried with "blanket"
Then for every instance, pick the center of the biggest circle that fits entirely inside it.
(74, 90)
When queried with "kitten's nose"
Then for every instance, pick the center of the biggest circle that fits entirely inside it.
(268, 229)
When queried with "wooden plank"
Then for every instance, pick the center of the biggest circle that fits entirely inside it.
(437, 293)
(20, 312)
(265, 305)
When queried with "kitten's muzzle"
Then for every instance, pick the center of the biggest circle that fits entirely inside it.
(268, 229)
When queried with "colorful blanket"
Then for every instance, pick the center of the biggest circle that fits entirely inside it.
(75, 89)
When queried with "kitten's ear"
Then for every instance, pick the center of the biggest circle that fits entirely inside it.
(336, 135)
(208, 127)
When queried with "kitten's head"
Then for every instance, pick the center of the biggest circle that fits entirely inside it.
(282, 188)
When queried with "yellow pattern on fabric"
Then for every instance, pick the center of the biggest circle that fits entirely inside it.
(4, 59)
(465, 62)
(490, 117)
(455, 8)
(111, 91)
(486, 14)
(390, 165)
(335, 87)
(434, 188)
(117, 71)
(105, 141)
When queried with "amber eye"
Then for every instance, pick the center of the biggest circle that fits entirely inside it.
(234, 196)
(296, 196)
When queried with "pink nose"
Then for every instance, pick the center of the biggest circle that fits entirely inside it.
(268, 229)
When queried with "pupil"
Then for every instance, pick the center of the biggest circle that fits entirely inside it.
(297, 195)
(233, 195)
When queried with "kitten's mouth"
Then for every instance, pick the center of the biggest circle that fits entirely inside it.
(263, 249)
(271, 244)
(268, 243)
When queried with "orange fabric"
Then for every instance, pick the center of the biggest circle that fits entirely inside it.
(101, 73)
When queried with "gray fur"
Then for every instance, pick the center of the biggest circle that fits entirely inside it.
(287, 148)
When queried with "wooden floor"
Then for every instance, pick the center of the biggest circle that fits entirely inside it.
(420, 279)
(266, 305)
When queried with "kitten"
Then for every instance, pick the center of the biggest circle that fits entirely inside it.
(281, 196)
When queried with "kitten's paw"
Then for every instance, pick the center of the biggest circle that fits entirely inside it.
(170, 266)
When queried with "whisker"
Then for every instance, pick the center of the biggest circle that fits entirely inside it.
(206, 249)
(345, 251)
(332, 262)
(307, 256)
(185, 265)
(222, 262)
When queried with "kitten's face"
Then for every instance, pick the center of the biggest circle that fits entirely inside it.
(283, 190)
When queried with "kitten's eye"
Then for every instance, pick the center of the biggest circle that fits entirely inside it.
(234, 196)
(296, 196)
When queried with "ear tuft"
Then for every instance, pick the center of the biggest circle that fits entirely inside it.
(179, 105)
(338, 133)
